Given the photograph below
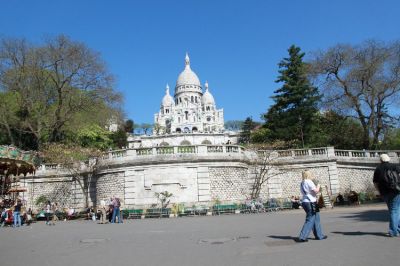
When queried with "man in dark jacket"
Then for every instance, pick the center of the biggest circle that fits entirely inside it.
(389, 195)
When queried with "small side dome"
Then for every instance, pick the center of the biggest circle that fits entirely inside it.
(207, 97)
(167, 100)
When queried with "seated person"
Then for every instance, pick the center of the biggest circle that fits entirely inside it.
(89, 213)
(339, 199)
(70, 213)
(295, 202)
(353, 198)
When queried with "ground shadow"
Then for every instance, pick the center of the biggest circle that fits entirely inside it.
(370, 216)
(359, 233)
(284, 237)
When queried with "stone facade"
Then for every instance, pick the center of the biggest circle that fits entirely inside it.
(199, 175)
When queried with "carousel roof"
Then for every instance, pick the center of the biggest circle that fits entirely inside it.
(14, 161)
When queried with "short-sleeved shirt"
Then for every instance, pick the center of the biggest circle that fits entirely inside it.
(307, 190)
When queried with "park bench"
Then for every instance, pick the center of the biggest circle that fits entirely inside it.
(157, 212)
(272, 206)
(224, 208)
(135, 214)
(195, 210)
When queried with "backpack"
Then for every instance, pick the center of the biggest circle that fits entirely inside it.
(392, 179)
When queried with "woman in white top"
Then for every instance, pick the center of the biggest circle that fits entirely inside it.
(309, 203)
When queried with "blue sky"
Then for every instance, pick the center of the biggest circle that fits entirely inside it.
(234, 45)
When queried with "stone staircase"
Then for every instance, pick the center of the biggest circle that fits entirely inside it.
(326, 197)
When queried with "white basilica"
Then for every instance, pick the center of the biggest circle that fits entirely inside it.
(189, 118)
(191, 110)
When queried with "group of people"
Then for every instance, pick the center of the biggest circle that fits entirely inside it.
(386, 180)
(111, 209)
(15, 215)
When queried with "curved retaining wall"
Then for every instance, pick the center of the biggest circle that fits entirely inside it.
(200, 175)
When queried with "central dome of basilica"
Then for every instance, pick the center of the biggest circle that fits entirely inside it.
(187, 77)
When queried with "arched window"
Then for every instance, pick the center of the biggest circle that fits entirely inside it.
(206, 142)
(178, 130)
(191, 99)
(185, 142)
(194, 129)
(195, 99)
(186, 115)
(186, 130)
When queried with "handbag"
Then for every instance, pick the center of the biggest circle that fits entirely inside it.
(314, 207)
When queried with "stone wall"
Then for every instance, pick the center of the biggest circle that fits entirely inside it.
(356, 179)
(63, 191)
(198, 179)
(108, 185)
(229, 183)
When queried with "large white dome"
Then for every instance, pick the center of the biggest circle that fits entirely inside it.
(187, 77)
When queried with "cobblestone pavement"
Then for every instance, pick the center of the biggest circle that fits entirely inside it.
(356, 236)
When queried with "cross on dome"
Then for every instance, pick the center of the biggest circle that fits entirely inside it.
(187, 60)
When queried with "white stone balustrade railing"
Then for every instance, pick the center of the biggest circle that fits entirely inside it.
(325, 152)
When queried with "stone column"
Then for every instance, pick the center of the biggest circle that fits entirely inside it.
(203, 183)
(333, 177)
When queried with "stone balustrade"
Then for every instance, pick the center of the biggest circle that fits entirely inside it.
(325, 152)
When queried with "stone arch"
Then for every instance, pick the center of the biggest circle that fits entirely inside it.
(206, 142)
(185, 142)
(164, 143)
(186, 130)
(178, 130)
(194, 129)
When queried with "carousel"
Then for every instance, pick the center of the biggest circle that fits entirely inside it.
(15, 163)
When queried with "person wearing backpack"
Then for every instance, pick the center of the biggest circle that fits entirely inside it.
(387, 182)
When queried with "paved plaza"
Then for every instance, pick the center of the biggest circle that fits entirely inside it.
(356, 236)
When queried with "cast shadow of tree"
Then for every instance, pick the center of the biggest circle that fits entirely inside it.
(370, 216)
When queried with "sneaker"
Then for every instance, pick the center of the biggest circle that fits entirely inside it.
(324, 237)
(299, 240)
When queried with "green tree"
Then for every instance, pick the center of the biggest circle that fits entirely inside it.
(94, 136)
(129, 126)
(391, 140)
(291, 116)
(53, 84)
(247, 127)
(119, 138)
(333, 129)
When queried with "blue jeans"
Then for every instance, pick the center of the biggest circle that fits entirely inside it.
(393, 203)
(312, 223)
(17, 219)
(116, 213)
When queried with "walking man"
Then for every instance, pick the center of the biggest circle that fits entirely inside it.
(386, 181)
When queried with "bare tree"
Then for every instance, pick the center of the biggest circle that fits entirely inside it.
(78, 163)
(263, 165)
(362, 82)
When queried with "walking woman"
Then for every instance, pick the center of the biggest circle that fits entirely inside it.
(310, 205)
